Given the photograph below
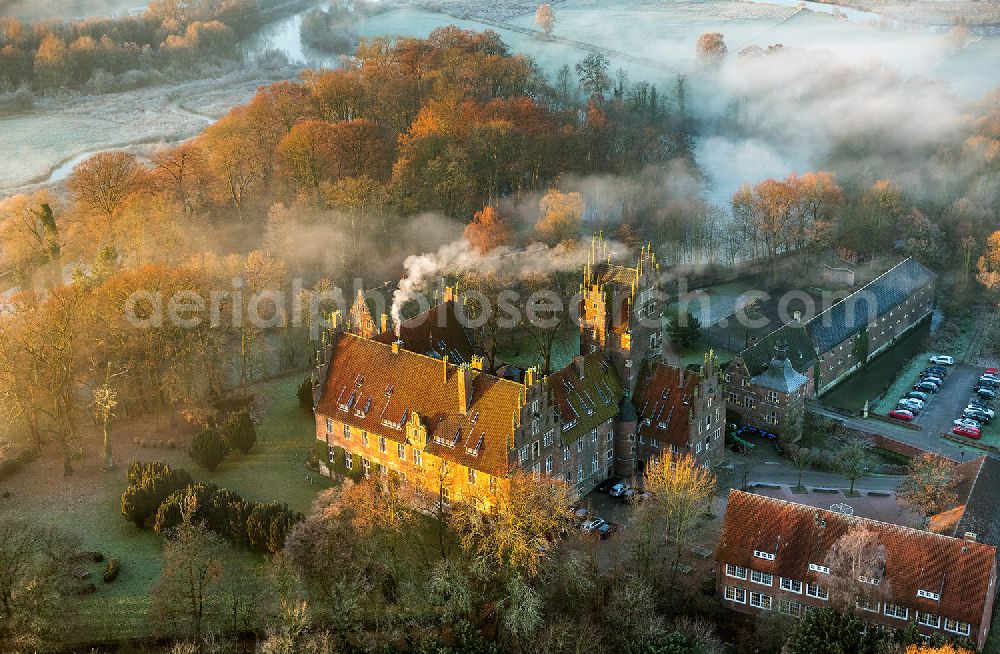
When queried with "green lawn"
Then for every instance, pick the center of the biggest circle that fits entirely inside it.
(88, 503)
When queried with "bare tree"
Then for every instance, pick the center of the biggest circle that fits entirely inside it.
(545, 18)
(682, 493)
(929, 486)
(857, 564)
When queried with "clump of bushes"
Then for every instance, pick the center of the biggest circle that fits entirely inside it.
(111, 573)
(13, 459)
(148, 485)
(261, 527)
(305, 395)
(208, 449)
(238, 432)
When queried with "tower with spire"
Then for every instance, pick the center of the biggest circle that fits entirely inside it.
(620, 312)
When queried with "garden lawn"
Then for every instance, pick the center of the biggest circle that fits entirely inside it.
(88, 503)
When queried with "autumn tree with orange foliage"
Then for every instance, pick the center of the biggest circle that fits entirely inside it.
(487, 231)
(929, 486)
(711, 49)
(988, 266)
(947, 648)
(562, 216)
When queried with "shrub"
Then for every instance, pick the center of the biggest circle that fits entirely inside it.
(14, 459)
(149, 485)
(111, 573)
(305, 395)
(239, 432)
(208, 449)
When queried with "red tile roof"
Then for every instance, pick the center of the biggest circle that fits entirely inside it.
(437, 331)
(915, 560)
(370, 387)
(664, 404)
(588, 401)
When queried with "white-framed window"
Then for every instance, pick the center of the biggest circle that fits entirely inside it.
(593, 465)
(760, 601)
(868, 605)
(894, 611)
(817, 591)
(611, 454)
(381, 444)
(347, 432)
(772, 397)
(929, 595)
(416, 458)
(548, 465)
(579, 471)
(348, 461)
(815, 567)
(536, 471)
(957, 627)
(759, 577)
(760, 554)
(445, 495)
(534, 406)
(472, 476)
(593, 436)
(653, 443)
(929, 619)
(579, 445)
(791, 585)
(642, 439)
(329, 426)
(736, 571)
(535, 450)
(400, 451)
(364, 438)
(789, 607)
(611, 436)
(565, 454)
(534, 427)
(522, 454)
(366, 466)
(734, 594)
(874, 581)
(547, 438)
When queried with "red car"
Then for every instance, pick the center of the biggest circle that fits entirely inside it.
(991, 371)
(971, 432)
(901, 414)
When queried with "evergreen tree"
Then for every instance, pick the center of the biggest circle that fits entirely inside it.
(826, 631)
(208, 449)
(239, 432)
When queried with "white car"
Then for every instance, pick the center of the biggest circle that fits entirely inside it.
(990, 412)
(967, 422)
(911, 401)
(618, 489)
(591, 525)
(943, 360)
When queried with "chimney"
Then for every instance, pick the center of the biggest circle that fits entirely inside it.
(781, 350)
(395, 346)
(796, 316)
(464, 388)
(385, 323)
(477, 362)
(971, 537)
(444, 367)
(578, 360)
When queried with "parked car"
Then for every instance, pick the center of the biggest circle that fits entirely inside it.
(978, 416)
(992, 371)
(917, 395)
(618, 489)
(609, 483)
(934, 379)
(980, 403)
(925, 386)
(971, 432)
(986, 393)
(604, 530)
(967, 422)
(938, 370)
(943, 359)
(981, 406)
(580, 513)
(911, 401)
(912, 408)
(990, 379)
(591, 525)
(901, 414)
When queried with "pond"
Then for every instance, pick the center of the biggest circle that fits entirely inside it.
(880, 372)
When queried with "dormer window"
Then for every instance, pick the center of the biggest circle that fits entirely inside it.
(767, 556)
(929, 595)
(815, 567)
(874, 581)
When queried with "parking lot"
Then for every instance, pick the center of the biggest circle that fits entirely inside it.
(947, 404)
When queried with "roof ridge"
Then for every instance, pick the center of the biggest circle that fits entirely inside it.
(857, 519)
(975, 480)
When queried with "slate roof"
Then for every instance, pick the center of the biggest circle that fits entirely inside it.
(849, 316)
(435, 332)
(588, 401)
(781, 376)
(801, 351)
(607, 273)
(915, 560)
(370, 387)
(664, 403)
(982, 504)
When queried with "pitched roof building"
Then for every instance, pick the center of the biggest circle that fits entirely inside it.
(978, 514)
(774, 555)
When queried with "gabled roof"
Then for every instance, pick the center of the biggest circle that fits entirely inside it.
(849, 316)
(437, 332)
(609, 273)
(801, 351)
(372, 388)
(664, 399)
(915, 560)
(586, 401)
(982, 504)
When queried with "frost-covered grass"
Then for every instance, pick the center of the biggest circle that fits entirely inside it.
(31, 10)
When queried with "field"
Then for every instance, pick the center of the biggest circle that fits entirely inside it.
(67, 9)
(88, 501)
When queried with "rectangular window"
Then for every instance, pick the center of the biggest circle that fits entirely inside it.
(929, 619)
(813, 590)
(329, 426)
(493, 484)
(759, 577)
(536, 471)
(523, 454)
(593, 465)
(416, 458)
(760, 601)
(894, 611)
(611, 454)
(929, 595)
(791, 585)
(814, 567)
(400, 451)
(653, 443)
(364, 438)
(347, 432)
(772, 397)
(760, 554)
(579, 445)
(579, 472)
(611, 436)
(534, 406)
(348, 461)
(366, 466)
(472, 477)
(593, 436)
(957, 627)
(534, 427)
(789, 607)
(868, 605)
(733, 398)
(535, 450)
(736, 571)
(445, 495)
(565, 453)
(381, 444)
(548, 465)
(547, 439)
(734, 594)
